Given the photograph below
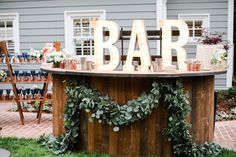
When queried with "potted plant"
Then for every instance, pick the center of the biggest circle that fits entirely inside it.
(36, 55)
(55, 58)
(219, 59)
(2, 75)
(209, 43)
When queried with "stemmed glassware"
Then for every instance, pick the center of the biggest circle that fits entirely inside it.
(32, 93)
(1, 92)
(8, 91)
(33, 75)
(16, 75)
(19, 92)
(28, 93)
(24, 93)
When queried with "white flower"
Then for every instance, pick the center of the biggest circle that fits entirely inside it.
(2, 73)
(34, 53)
(116, 129)
(218, 56)
(54, 57)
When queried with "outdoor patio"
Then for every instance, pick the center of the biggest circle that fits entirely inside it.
(11, 126)
(225, 132)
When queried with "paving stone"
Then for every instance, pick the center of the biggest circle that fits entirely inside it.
(11, 126)
(225, 134)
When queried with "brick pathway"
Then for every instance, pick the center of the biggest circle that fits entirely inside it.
(225, 132)
(11, 126)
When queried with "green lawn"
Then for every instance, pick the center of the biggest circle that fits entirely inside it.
(30, 148)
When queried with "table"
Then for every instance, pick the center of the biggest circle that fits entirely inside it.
(143, 137)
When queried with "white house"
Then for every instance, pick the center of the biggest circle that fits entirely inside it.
(32, 23)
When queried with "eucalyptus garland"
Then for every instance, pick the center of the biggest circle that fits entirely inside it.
(106, 111)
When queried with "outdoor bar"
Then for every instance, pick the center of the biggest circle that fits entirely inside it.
(145, 136)
(138, 104)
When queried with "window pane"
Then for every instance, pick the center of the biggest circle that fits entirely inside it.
(78, 51)
(198, 33)
(77, 32)
(85, 23)
(190, 24)
(78, 42)
(92, 31)
(9, 24)
(85, 32)
(86, 51)
(86, 43)
(92, 51)
(191, 33)
(2, 24)
(76, 22)
(198, 24)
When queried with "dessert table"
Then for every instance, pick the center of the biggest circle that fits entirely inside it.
(143, 137)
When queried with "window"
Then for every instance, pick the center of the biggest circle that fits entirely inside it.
(195, 22)
(9, 31)
(79, 35)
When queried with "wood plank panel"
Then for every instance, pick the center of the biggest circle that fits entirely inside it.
(98, 83)
(105, 128)
(113, 83)
(209, 108)
(84, 132)
(158, 131)
(143, 137)
(126, 130)
(188, 87)
(59, 99)
(136, 127)
(166, 146)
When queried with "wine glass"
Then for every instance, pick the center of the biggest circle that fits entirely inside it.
(33, 93)
(19, 93)
(41, 92)
(24, 93)
(32, 74)
(28, 93)
(1, 92)
(8, 91)
(28, 74)
(16, 74)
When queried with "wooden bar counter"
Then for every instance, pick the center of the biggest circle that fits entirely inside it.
(143, 137)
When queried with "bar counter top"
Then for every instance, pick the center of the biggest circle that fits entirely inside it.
(161, 74)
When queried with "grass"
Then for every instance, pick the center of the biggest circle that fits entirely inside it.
(20, 147)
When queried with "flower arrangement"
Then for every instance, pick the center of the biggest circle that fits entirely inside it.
(210, 38)
(55, 57)
(35, 54)
(2, 75)
(213, 38)
(219, 56)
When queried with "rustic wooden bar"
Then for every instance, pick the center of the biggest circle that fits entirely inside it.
(143, 137)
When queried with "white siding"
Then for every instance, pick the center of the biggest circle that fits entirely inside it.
(218, 10)
(43, 21)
